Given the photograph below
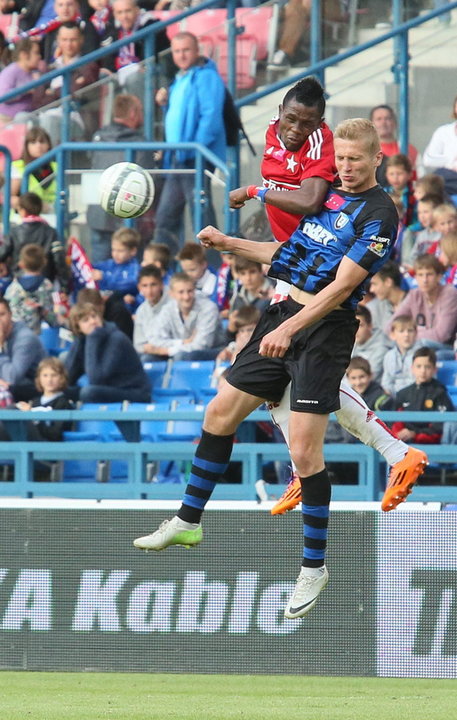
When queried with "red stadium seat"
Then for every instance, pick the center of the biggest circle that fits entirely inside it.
(166, 15)
(246, 60)
(12, 136)
(256, 22)
(210, 23)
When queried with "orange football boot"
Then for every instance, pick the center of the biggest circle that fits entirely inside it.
(402, 477)
(290, 497)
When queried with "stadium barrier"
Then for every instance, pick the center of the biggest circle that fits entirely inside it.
(75, 595)
(138, 455)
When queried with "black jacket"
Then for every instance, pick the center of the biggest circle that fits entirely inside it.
(42, 234)
(431, 395)
(50, 430)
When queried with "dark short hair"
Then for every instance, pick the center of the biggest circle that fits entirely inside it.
(307, 92)
(391, 270)
(242, 263)
(363, 312)
(150, 271)
(31, 203)
(359, 363)
(426, 352)
(399, 160)
(429, 262)
(162, 253)
(192, 251)
(383, 107)
(32, 257)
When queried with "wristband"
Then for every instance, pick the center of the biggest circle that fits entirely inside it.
(260, 194)
(251, 191)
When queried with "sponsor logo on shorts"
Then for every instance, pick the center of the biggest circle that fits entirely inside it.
(311, 402)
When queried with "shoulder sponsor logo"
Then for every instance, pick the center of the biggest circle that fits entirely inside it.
(318, 233)
(379, 245)
(341, 221)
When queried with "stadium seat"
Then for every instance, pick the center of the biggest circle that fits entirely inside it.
(260, 23)
(164, 15)
(447, 372)
(246, 60)
(89, 430)
(191, 375)
(452, 392)
(12, 136)
(183, 430)
(211, 23)
(156, 372)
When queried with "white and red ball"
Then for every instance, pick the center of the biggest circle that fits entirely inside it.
(126, 190)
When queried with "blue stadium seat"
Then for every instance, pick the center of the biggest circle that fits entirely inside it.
(169, 394)
(49, 337)
(447, 372)
(89, 430)
(452, 392)
(156, 372)
(194, 376)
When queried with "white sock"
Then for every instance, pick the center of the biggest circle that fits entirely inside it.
(312, 572)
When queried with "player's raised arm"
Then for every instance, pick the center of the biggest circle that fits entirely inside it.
(211, 237)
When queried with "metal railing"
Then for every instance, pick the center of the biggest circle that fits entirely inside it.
(60, 154)
(400, 67)
(138, 454)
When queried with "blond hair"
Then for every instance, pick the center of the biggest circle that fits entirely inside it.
(448, 245)
(54, 364)
(359, 129)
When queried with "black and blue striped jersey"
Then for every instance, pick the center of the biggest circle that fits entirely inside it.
(361, 226)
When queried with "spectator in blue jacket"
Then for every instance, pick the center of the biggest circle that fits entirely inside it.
(106, 355)
(120, 273)
(194, 113)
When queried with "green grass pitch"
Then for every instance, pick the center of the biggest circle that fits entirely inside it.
(119, 696)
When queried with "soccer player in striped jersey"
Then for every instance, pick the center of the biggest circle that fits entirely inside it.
(306, 338)
(297, 167)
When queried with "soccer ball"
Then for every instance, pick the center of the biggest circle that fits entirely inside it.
(126, 190)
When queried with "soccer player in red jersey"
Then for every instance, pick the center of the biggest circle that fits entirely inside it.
(297, 168)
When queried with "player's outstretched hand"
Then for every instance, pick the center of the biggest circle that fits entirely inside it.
(276, 343)
(238, 197)
(211, 237)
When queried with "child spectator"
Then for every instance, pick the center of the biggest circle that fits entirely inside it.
(432, 306)
(111, 307)
(426, 393)
(448, 257)
(254, 288)
(30, 293)
(430, 184)
(246, 319)
(444, 221)
(35, 230)
(188, 327)
(151, 288)
(226, 283)
(104, 353)
(399, 173)
(159, 254)
(398, 360)
(361, 380)
(420, 236)
(51, 382)
(192, 258)
(5, 278)
(369, 343)
(120, 272)
(386, 285)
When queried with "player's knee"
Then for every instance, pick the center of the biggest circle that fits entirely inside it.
(218, 418)
(306, 458)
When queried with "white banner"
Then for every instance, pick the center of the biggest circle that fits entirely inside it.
(417, 595)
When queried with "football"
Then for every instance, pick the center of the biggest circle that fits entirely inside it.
(126, 190)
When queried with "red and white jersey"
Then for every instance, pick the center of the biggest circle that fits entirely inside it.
(284, 169)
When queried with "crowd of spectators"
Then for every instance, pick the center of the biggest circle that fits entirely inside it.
(153, 296)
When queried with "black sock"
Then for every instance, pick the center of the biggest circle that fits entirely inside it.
(316, 491)
(210, 462)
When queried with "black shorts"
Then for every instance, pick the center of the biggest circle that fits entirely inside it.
(315, 361)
